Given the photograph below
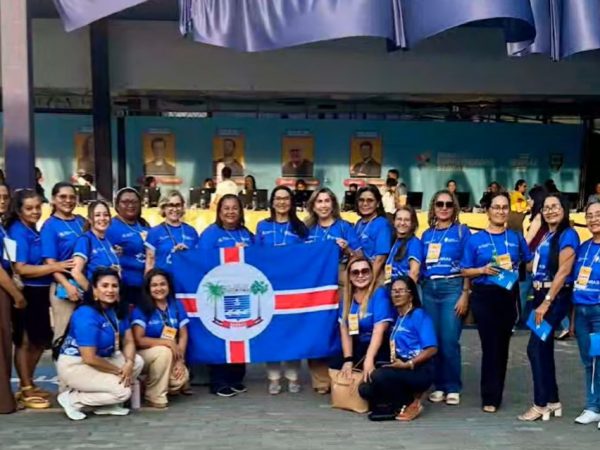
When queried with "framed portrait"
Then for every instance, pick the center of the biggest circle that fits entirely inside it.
(159, 153)
(366, 156)
(229, 151)
(84, 152)
(297, 156)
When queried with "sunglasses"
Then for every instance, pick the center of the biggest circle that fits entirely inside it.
(448, 205)
(174, 205)
(359, 272)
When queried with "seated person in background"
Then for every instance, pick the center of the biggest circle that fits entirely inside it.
(493, 188)
(390, 198)
(300, 185)
(413, 345)
(209, 184)
(226, 186)
(452, 186)
(353, 187)
(150, 182)
(161, 336)
(96, 372)
(595, 197)
(247, 193)
(518, 202)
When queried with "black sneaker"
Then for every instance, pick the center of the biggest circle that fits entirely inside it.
(239, 388)
(226, 392)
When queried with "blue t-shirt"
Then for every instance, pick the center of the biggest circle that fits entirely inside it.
(165, 237)
(379, 309)
(453, 241)
(568, 238)
(412, 334)
(375, 236)
(216, 237)
(340, 229)
(276, 234)
(29, 251)
(59, 236)
(483, 247)
(92, 328)
(175, 317)
(133, 249)
(414, 251)
(4, 258)
(96, 252)
(588, 255)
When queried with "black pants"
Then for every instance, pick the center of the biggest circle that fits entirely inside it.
(396, 387)
(225, 375)
(541, 354)
(359, 350)
(129, 298)
(495, 311)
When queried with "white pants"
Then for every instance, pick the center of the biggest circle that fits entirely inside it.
(158, 365)
(290, 370)
(89, 386)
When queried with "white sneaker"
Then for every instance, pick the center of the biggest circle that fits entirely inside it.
(111, 410)
(64, 400)
(274, 387)
(294, 387)
(437, 396)
(587, 417)
(453, 398)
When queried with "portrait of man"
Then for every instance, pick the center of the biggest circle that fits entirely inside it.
(158, 151)
(228, 151)
(297, 157)
(365, 158)
(84, 153)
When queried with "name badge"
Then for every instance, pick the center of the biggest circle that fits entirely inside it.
(353, 324)
(392, 350)
(168, 333)
(388, 273)
(117, 342)
(583, 277)
(433, 253)
(504, 261)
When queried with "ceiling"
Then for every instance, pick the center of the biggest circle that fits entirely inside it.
(150, 10)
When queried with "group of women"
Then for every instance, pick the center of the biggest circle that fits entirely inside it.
(403, 301)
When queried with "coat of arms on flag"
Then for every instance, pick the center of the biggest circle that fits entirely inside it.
(258, 304)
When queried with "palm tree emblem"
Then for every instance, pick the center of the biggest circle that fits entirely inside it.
(215, 293)
(259, 288)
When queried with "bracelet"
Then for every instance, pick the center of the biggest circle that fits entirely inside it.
(348, 359)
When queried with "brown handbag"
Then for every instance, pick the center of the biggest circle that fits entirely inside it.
(344, 392)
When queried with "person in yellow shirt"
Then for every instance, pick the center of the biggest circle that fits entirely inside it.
(518, 202)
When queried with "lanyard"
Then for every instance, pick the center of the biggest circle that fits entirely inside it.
(494, 244)
(35, 233)
(168, 228)
(393, 251)
(137, 229)
(241, 241)
(443, 235)
(586, 254)
(399, 325)
(114, 325)
(287, 226)
(114, 260)
(78, 232)
(165, 316)
(361, 227)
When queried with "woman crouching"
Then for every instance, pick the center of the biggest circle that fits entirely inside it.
(97, 374)
(413, 344)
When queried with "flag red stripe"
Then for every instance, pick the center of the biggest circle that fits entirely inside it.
(306, 299)
(189, 304)
(231, 255)
(237, 351)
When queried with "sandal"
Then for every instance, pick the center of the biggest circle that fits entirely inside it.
(156, 405)
(534, 413)
(489, 409)
(36, 390)
(31, 401)
(410, 412)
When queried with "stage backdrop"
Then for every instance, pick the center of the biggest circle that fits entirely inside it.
(427, 153)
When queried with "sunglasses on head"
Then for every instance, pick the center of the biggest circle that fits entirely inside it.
(440, 204)
(358, 272)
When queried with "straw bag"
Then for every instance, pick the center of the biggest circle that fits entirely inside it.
(344, 392)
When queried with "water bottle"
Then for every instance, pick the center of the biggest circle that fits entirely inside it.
(136, 400)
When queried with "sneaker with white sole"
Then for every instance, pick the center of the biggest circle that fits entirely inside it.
(437, 396)
(274, 387)
(64, 400)
(586, 417)
(294, 387)
(111, 410)
(453, 398)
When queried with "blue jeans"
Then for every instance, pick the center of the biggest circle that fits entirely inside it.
(439, 298)
(525, 288)
(587, 320)
(541, 354)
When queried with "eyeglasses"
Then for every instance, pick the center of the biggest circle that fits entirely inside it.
(401, 291)
(592, 216)
(366, 200)
(136, 202)
(553, 208)
(448, 205)
(359, 272)
(174, 205)
(498, 208)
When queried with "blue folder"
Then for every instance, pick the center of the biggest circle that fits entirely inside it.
(61, 292)
(594, 344)
(505, 279)
(542, 330)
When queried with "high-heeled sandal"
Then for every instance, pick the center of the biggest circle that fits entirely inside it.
(555, 408)
(535, 413)
(489, 409)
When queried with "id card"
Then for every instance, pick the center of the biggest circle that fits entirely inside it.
(433, 253)
(392, 350)
(583, 277)
(504, 261)
(353, 324)
(388, 273)
(168, 333)
(117, 343)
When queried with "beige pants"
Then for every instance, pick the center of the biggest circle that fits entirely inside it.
(61, 312)
(289, 369)
(158, 366)
(319, 373)
(89, 386)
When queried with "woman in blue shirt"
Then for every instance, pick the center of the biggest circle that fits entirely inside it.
(59, 234)
(127, 233)
(32, 333)
(9, 292)
(173, 235)
(365, 317)
(373, 229)
(445, 291)
(92, 248)
(229, 230)
(413, 344)
(282, 228)
(586, 300)
(405, 257)
(97, 361)
(491, 259)
(553, 287)
(161, 336)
